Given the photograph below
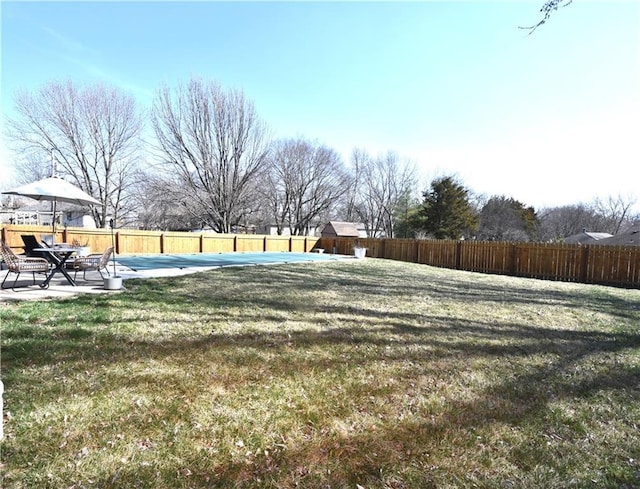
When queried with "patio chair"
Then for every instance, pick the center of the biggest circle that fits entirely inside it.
(96, 261)
(30, 243)
(18, 264)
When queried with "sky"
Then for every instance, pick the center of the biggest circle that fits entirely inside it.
(549, 118)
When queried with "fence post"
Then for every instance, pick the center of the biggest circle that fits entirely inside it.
(235, 243)
(161, 243)
(117, 236)
(513, 260)
(458, 255)
(584, 263)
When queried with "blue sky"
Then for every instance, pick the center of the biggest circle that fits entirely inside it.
(550, 118)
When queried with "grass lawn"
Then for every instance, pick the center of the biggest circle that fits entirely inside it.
(359, 374)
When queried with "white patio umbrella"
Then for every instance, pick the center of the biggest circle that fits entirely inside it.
(54, 189)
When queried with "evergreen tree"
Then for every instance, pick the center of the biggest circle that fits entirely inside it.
(446, 212)
(506, 219)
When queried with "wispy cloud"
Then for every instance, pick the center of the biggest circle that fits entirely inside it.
(141, 94)
(79, 54)
(66, 43)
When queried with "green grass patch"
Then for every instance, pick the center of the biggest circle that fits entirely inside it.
(365, 373)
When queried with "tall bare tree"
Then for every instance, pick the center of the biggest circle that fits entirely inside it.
(213, 146)
(306, 180)
(91, 132)
(616, 211)
(610, 215)
(557, 223)
(383, 183)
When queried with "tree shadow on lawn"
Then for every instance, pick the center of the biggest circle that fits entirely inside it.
(407, 445)
(395, 337)
(294, 291)
(422, 280)
(417, 340)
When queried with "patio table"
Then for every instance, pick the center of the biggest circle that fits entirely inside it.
(58, 256)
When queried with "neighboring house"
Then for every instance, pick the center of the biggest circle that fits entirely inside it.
(43, 218)
(340, 229)
(78, 219)
(629, 237)
(30, 218)
(586, 237)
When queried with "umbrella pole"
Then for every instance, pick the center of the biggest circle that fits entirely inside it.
(53, 238)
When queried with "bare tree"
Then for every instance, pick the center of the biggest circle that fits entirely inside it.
(214, 146)
(92, 133)
(557, 223)
(608, 215)
(383, 183)
(157, 207)
(349, 202)
(306, 180)
(616, 211)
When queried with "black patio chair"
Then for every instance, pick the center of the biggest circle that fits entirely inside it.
(30, 243)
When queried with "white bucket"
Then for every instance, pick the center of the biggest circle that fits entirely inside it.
(359, 252)
(113, 283)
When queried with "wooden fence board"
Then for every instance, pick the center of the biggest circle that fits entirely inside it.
(218, 243)
(607, 265)
(130, 241)
(277, 243)
(249, 243)
(300, 244)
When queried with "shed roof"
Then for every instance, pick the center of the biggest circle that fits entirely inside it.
(341, 228)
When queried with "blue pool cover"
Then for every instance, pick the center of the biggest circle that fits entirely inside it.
(154, 262)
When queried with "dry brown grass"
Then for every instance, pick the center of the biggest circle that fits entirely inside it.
(368, 373)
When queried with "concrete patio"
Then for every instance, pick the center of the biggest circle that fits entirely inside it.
(59, 288)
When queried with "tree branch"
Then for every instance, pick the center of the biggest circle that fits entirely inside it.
(547, 9)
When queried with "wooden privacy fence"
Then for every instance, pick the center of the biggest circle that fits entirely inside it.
(592, 264)
(132, 241)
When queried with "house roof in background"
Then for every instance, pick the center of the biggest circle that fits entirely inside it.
(341, 228)
(629, 237)
(586, 237)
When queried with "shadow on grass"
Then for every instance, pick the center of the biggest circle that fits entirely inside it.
(293, 290)
(411, 338)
